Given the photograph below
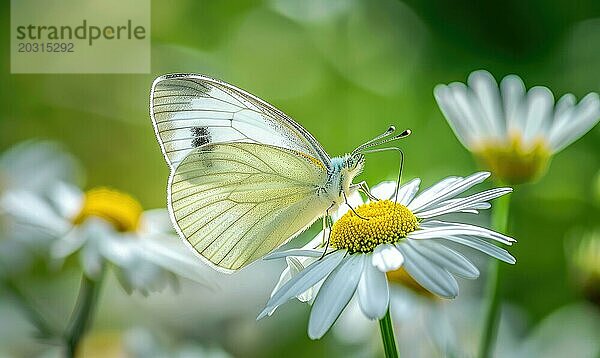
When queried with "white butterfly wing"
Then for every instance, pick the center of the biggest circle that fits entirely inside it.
(191, 110)
(236, 202)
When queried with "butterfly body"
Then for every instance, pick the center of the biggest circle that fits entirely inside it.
(245, 178)
(339, 183)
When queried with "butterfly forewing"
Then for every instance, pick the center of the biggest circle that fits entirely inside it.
(189, 111)
(235, 202)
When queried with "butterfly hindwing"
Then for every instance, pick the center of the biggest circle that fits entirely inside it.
(235, 202)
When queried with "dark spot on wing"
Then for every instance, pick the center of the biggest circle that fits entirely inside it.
(201, 136)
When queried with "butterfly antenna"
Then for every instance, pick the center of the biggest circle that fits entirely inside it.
(400, 170)
(400, 167)
(404, 134)
(389, 131)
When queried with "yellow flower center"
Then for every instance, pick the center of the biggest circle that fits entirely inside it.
(513, 162)
(402, 277)
(119, 209)
(378, 222)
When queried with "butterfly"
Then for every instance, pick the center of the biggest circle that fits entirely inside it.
(245, 178)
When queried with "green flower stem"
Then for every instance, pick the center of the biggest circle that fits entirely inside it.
(83, 313)
(387, 336)
(45, 329)
(493, 292)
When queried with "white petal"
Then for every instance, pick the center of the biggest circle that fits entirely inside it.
(540, 103)
(483, 246)
(90, 260)
(334, 295)
(563, 109)
(170, 254)
(480, 206)
(485, 89)
(117, 248)
(30, 209)
(470, 110)
(304, 280)
(68, 244)
(37, 165)
(445, 258)
(373, 292)
(459, 125)
(156, 221)
(449, 191)
(294, 252)
(439, 229)
(428, 274)
(144, 276)
(513, 93)
(285, 276)
(469, 202)
(407, 192)
(387, 258)
(67, 198)
(384, 190)
(581, 119)
(431, 192)
(296, 266)
(473, 209)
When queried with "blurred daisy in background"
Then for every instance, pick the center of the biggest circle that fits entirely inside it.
(426, 329)
(431, 333)
(136, 342)
(104, 226)
(514, 132)
(34, 166)
(140, 342)
(596, 189)
(569, 331)
(583, 256)
(382, 236)
(47, 159)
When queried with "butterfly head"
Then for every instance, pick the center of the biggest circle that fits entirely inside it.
(351, 165)
(345, 169)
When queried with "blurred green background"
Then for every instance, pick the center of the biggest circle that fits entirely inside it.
(345, 70)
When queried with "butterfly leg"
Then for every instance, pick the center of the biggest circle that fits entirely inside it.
(350, 206)
(362, 186)
(325, 227)
(326, 246)
(326, 222)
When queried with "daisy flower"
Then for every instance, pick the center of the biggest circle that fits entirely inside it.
(436, 329)
(514, 132)
(382, 236)
(139, 342)
(584, 259)
(52, 165)
(107, 226)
